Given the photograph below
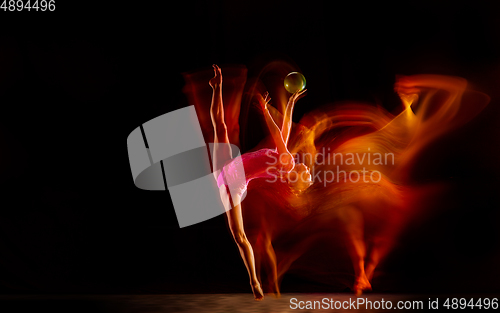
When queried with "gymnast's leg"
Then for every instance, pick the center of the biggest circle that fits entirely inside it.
(379, 249)
(270, 262)
(222, 153)
(222, 148)
(235, 220)
(352, 220)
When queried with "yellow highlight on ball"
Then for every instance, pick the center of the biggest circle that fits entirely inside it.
(294, 82)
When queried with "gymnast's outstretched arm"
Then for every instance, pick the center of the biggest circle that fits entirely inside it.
(287, 118)
(286, 157)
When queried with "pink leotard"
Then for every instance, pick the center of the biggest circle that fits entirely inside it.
(262, 163)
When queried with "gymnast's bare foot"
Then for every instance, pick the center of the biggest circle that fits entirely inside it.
(257, 292)
(361, 284)
(216, 81)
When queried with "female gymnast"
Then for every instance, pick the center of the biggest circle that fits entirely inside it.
(258, 164)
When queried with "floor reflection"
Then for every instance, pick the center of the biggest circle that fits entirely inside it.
(344, 302)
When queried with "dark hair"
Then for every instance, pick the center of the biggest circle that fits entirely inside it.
(299, 178)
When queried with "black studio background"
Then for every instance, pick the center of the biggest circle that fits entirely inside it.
(75, 82)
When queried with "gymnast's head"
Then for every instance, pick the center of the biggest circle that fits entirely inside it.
(299, 178)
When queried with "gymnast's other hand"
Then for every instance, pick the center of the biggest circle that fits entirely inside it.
(264, 100)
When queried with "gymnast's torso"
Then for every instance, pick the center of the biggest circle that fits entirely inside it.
(263, 163)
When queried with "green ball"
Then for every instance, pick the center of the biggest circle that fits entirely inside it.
(294, 82)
